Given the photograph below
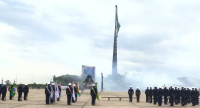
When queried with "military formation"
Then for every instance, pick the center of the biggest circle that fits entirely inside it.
(173, 95)
(20, 90)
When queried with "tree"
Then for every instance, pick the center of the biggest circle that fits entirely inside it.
(8, 82)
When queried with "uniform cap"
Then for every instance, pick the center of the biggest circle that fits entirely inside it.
(25, 84)
(69, 84)
(4, 83)
(52, 83)
(130, 86)
(74, 85)
(137, 87)
(93, 84)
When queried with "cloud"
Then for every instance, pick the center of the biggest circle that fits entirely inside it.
(43, 38)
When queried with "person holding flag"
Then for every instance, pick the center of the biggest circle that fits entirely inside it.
(60, 92)
(97, 97)
(13, 89)
(93, 93)
(69, 93)
(10, 89)
(74, 92)
(52, 92)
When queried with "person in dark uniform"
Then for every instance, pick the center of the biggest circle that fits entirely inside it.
(183, 96)
(59, 88)
(178, 95)
(4, 91)
(185, 100)
(19, 90)
(0, 90)
(130, 93)
(137, 93)
(170, 87)
(188, 95)
(197, 96)
(75, 89)
(150, 95)
(155, 91)
(69, 94)
(165, 95)
(171, 93)
(146, 92)
(160, 94)
(53, 92)
(26, 90)
(47, 93)
(93, 93)
(193, 97)
(10, 90)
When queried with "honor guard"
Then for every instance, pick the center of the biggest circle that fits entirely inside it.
(4, 91)
(160, 94)
(19, 90)
(150, 95)
(93, 93)
(69, 94)
(47, 93)
(171, 93)
(26, 90)
(59, 88)
(10, 90)
(130, 93)
(176, 95)
(147, 94)
(165, 95)
(137, 93)
(188, 95)
(197, 96)
(183, 96)
(155, 91)
(193, 97)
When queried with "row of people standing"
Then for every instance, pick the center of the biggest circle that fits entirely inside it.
(52, 89)
(131, 92)
(175, 95)
(20, 90)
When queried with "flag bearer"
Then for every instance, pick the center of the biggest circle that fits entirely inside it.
(93, 93)
(10, 89)
(69, 94)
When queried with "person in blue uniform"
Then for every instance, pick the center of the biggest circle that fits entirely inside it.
(47, 93)
(155, 91)
(4, 91)
(188, 95)
(26, 90)
(150, 95)
(69, 94)
(147, 95)
(19, 90)
(165, 95)
(160, 94)
(137, 93)
(93, 93)
(176, 95)
(193, 97)
(130, 93)
(197, 96)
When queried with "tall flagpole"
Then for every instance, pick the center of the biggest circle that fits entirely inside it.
(114, 65)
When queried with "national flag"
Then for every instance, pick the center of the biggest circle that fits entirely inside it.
(97, 97)
(78, 93)
(73, 95)
(56, 90)
(51, 91)
(117, 25)
(13, 90)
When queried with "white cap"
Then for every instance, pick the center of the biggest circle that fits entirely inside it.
(52, 83)
(147, 86)
(4, 83)
(93, 84)
(130, 86)
(25, 84)
(48, 83)
(74, 85)
(178, 87)
(137, 87)
(69, 84)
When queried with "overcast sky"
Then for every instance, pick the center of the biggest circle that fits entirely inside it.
(41, 38)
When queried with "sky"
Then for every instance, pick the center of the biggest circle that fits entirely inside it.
(158, 39)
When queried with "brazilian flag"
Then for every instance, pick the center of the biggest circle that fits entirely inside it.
(13, 90)
(97, 97)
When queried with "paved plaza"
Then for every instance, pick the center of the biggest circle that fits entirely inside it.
(36, 99)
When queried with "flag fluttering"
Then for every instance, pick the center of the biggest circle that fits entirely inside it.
(78, 93)
(56, 90)
(117, 25)
(97, 97)
(73, 95)
(13, 89)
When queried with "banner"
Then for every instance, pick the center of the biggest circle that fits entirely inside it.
(13, 90)
(61, 90)
(56, 90)
(88, 76)
(73, 95)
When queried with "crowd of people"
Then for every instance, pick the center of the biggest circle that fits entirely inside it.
(20, 90)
